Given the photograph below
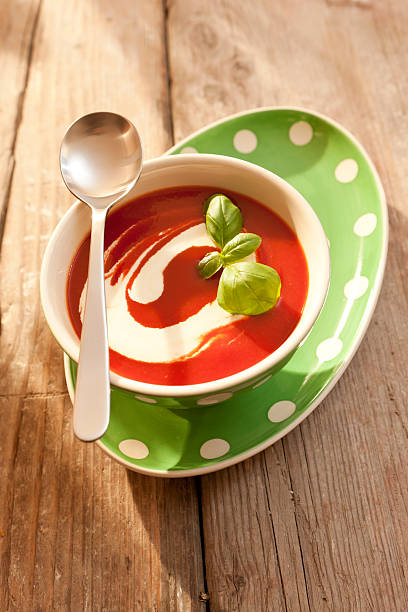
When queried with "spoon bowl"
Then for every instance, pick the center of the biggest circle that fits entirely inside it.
(100, 160)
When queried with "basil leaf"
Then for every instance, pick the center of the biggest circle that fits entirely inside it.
(210, 264)
(239, 247)
(248, 288)
(223, 219)
(208, 200)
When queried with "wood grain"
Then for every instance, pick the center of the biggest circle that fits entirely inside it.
(77, 531)
(16, 35)
(318, 522)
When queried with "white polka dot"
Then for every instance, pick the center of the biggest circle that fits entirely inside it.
(214, 448)
(245, 141)
(134, 449)
(213, 399)
(329, 349)
(365, 225)
(188, 150)
(301, 133)
(261, 382)
(346, 171)
(281, 410)
(146, 400)
(356, 287)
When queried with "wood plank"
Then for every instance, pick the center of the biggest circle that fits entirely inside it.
(85, 532)
(16, 36)
(78, 531)
(253, 558)
(341, 543)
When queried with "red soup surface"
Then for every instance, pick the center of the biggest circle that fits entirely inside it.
(164, 323)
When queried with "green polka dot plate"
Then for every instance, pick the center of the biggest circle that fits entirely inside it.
(334, 173)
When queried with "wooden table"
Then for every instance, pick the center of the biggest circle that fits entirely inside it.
(318, 521)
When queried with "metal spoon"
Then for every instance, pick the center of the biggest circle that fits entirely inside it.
(101, 160)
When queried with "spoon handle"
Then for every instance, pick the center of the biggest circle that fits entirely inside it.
(92, 393)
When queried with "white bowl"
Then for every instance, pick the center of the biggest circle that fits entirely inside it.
(205, 170)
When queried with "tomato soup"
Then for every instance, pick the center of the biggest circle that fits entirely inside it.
(164, 323)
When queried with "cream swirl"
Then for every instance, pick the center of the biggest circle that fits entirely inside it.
(157, 344)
